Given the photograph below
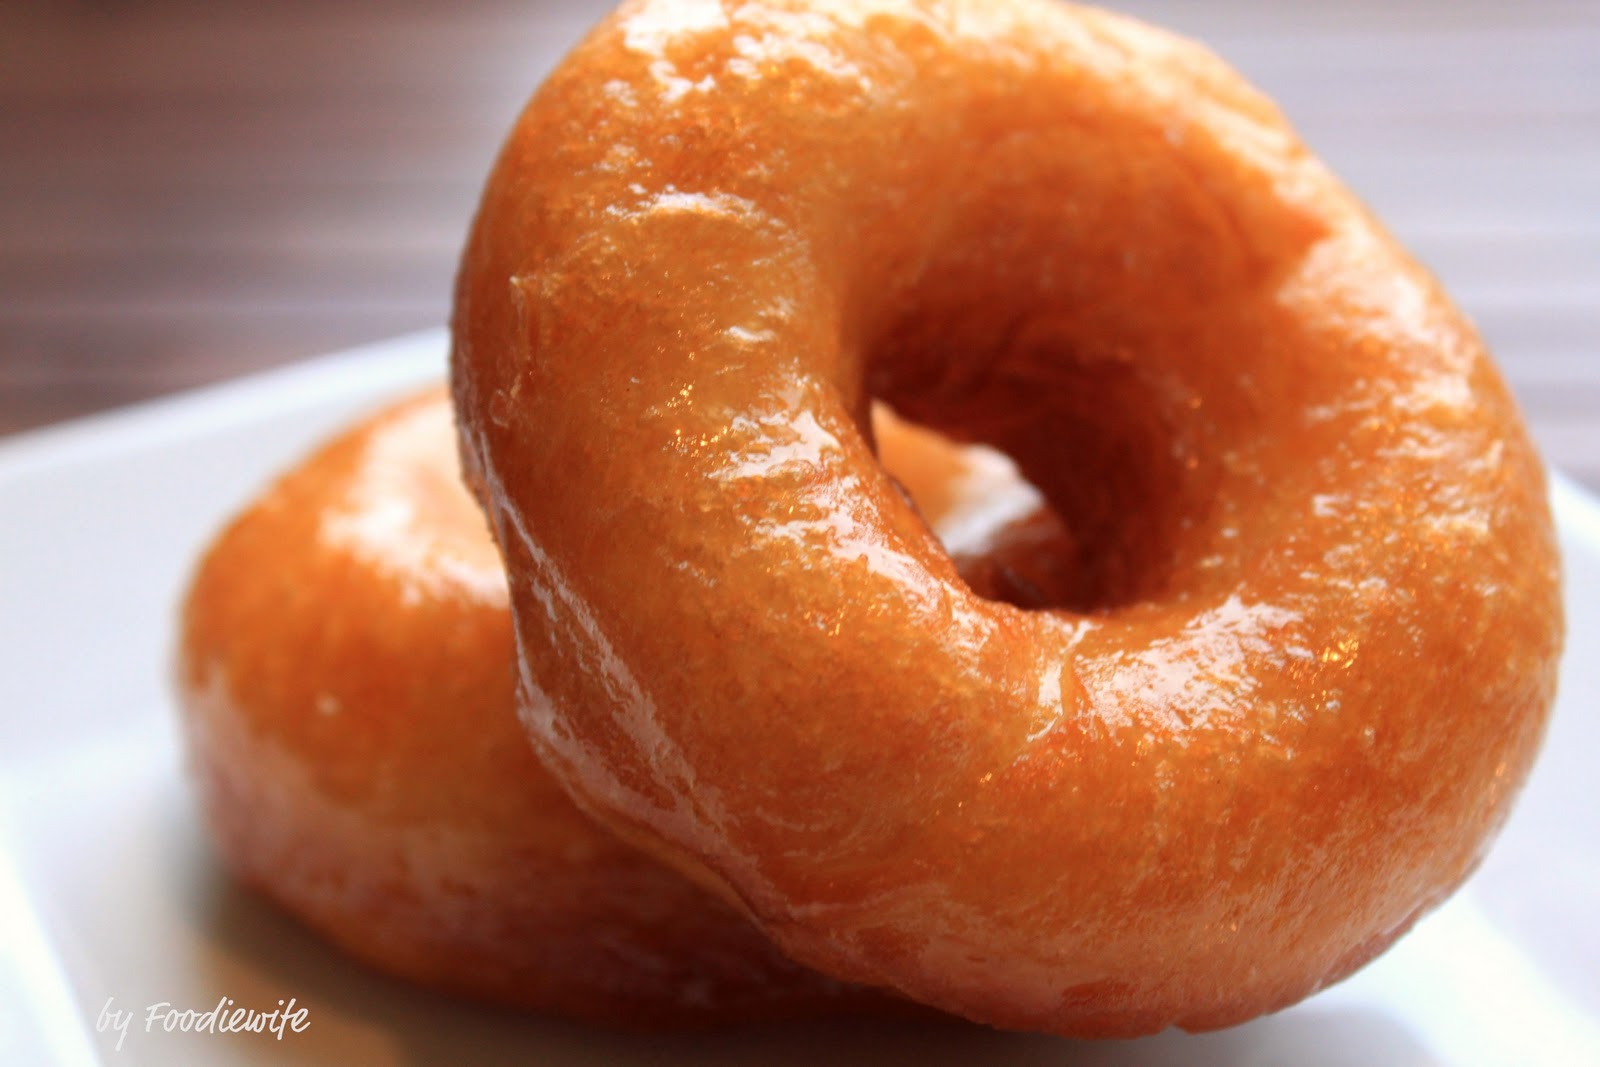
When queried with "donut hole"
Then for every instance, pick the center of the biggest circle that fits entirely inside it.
(1007, 539)
(1087, 302)
(1083, 476)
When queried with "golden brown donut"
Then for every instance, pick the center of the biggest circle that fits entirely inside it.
(346, 680)
(1316, 616)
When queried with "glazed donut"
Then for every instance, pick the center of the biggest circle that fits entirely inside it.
(346, 678)
(1315, 622)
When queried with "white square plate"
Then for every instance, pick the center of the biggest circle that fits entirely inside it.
(109, 898)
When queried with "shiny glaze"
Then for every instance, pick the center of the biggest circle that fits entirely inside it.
(1314, 592)
(347, 674)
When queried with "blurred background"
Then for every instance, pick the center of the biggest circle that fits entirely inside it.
(193, 191)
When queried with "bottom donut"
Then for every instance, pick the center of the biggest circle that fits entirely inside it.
(346, 677)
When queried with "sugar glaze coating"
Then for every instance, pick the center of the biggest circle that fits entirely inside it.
(1313, 626)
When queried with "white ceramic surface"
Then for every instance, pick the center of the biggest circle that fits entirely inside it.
(108, 895)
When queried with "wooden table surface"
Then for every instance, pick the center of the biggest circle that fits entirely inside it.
(193, 191)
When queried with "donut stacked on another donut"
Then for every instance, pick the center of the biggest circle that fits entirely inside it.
(1312, 624)
(346, 674)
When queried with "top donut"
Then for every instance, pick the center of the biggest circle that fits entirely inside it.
(1306, 634)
